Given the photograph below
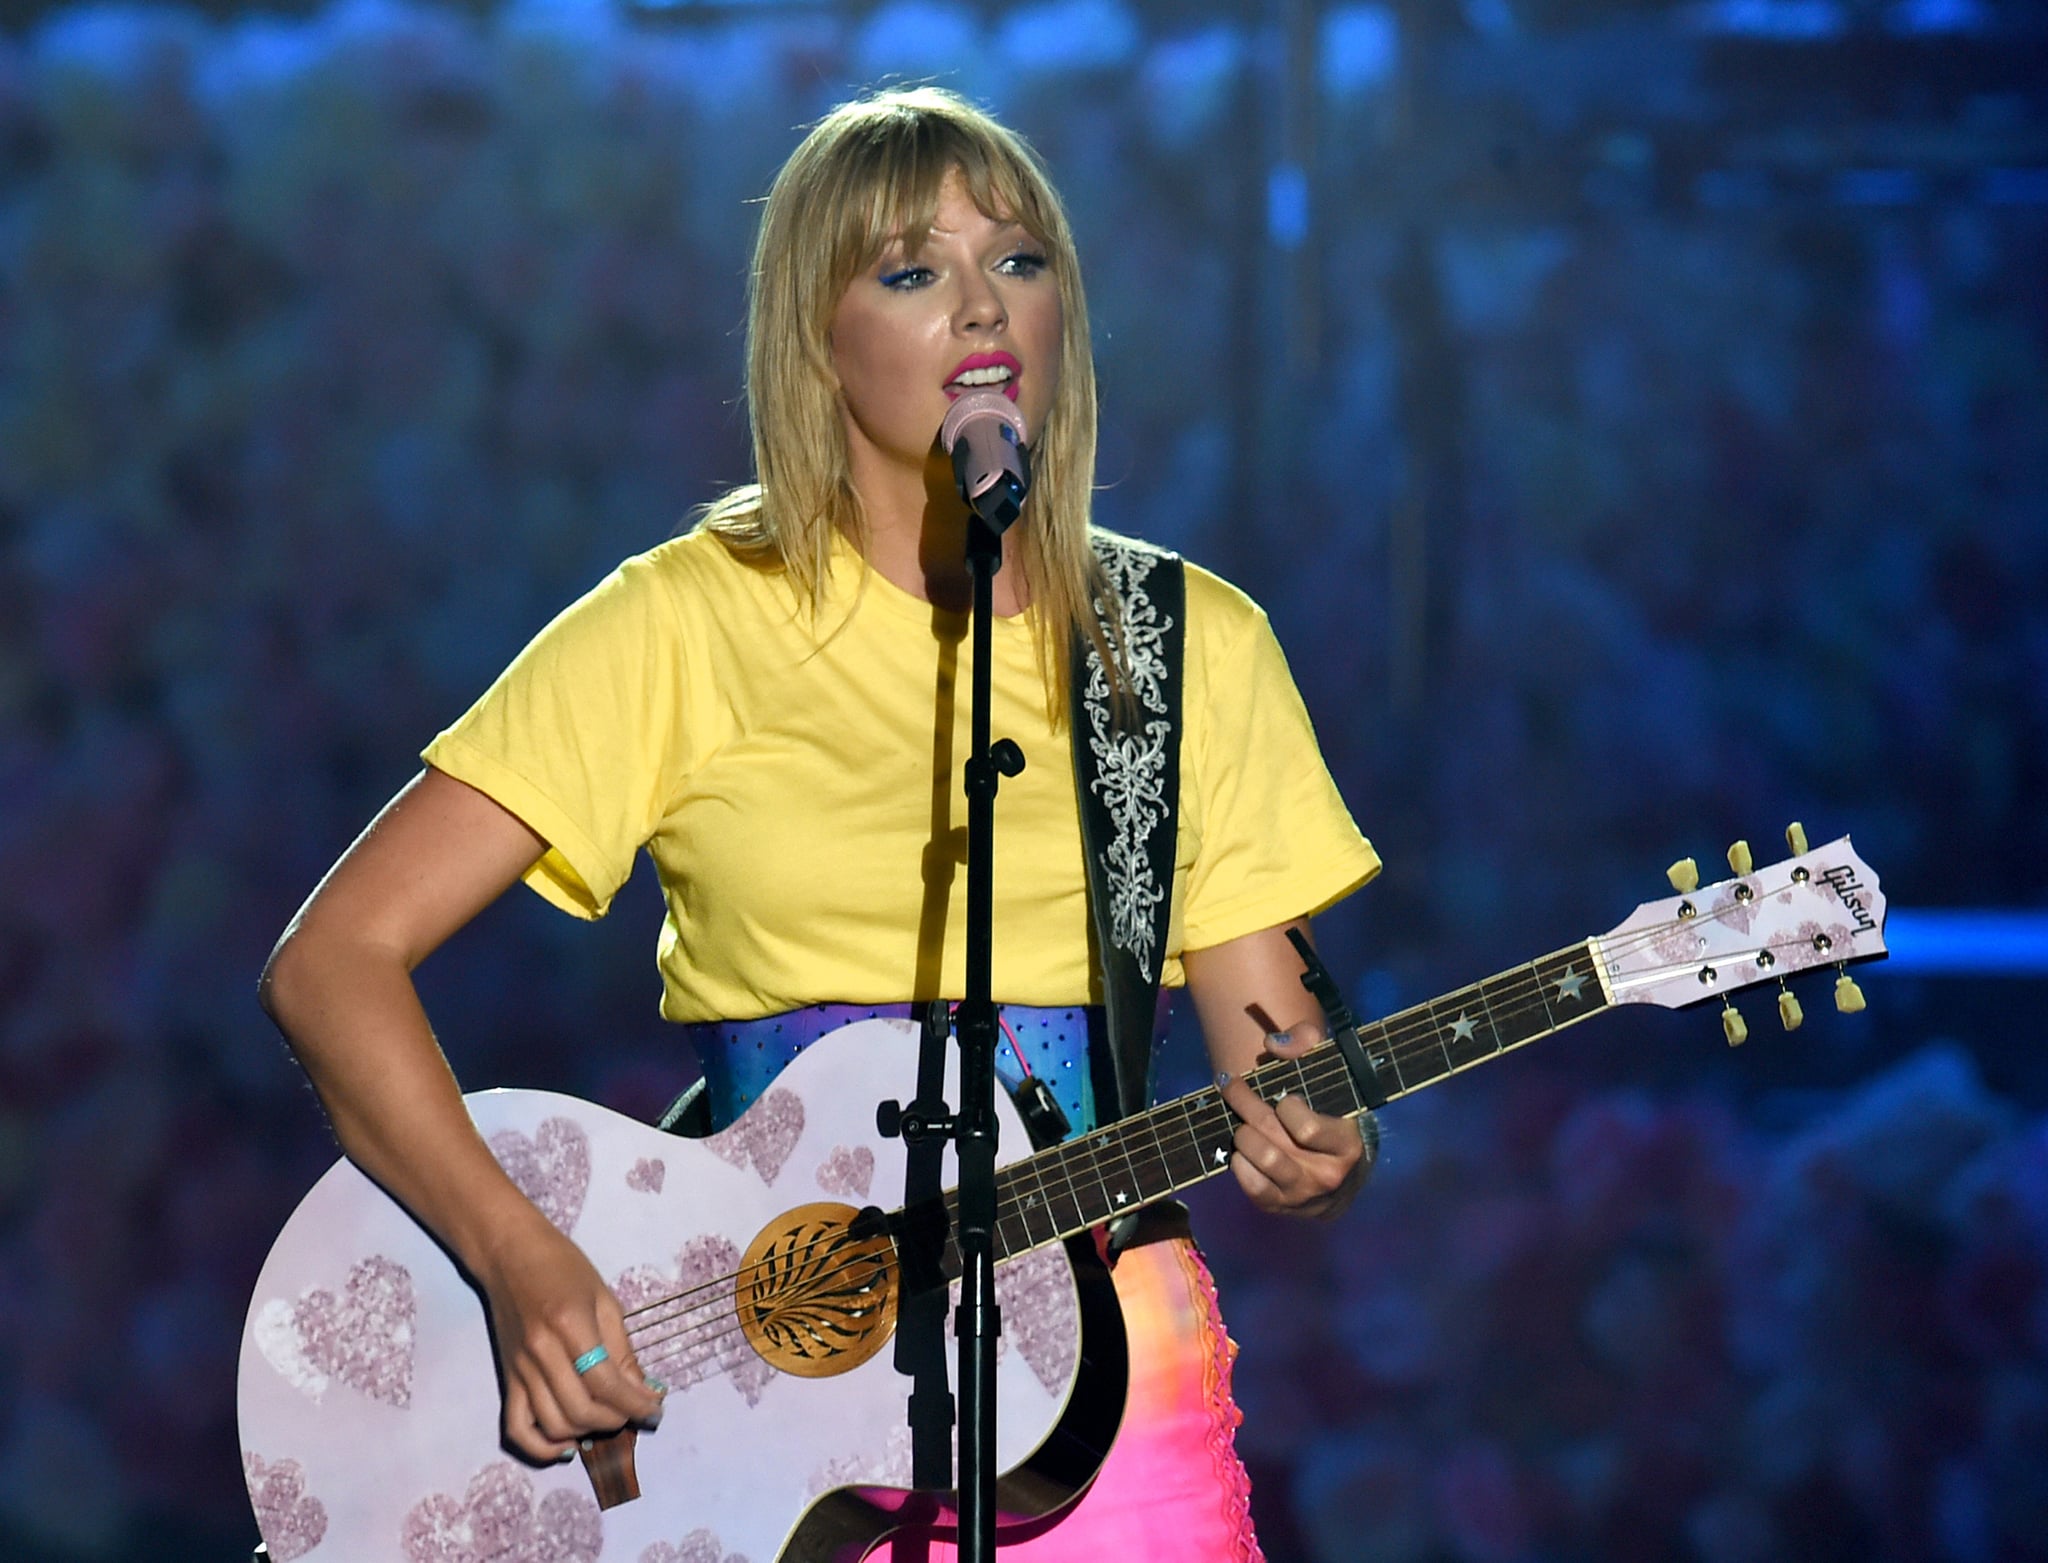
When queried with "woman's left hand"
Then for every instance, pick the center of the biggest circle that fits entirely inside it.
(1291, 1159)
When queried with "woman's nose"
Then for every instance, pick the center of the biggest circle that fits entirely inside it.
(980, 307)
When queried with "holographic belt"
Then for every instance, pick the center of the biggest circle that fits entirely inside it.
(741, 1058)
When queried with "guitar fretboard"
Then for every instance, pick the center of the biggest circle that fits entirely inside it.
(1081, 1183)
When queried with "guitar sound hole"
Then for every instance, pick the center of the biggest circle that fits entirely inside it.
(814, 1299)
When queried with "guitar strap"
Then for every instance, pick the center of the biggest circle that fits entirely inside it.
(1127, 783)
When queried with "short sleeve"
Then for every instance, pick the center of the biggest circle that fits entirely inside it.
(1276, 841)
(581, 736)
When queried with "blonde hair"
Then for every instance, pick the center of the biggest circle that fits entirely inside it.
(869, 172)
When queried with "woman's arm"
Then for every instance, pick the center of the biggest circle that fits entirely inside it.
(1248, 995)
(339, 985)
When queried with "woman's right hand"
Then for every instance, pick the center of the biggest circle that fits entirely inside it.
(548, 1307)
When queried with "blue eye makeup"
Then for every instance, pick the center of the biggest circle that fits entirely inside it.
(1018, 263)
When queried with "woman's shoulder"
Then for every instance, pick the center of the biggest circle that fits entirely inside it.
(673, 593)
(1220, 607)
(695, 567)
(686, 555)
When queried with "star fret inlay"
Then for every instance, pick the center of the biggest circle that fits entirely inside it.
(1569, 984)
(1461, 1029)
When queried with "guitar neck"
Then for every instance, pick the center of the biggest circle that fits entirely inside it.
(1082, 1183)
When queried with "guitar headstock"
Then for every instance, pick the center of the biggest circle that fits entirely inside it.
(1816, 909)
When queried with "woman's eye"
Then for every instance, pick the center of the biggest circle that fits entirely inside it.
(906, 277)
(1025, 263)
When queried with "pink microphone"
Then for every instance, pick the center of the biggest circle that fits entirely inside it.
(985, 434)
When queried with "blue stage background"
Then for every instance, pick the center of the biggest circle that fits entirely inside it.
(1634, 416)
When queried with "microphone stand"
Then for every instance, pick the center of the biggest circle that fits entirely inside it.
(978, 1322)
(994, 500)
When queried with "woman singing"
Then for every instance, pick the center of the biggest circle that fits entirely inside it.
(765, 706)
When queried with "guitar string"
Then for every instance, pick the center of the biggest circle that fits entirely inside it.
(1321, 1068)
(1324, 1061)
(689, 1344)
(1088, 1148)
(1081, 1157)
(1088, 1152)
(707, 1328)
(1313, 1072)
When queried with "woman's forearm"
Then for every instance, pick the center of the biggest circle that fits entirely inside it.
(339, 985)
(1245, 990)
(351, 1013)
(354, 1020)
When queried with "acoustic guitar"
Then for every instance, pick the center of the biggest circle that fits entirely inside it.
(775, 1278)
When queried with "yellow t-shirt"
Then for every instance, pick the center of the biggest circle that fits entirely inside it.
(799, 787)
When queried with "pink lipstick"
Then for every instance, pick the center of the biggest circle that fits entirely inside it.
(985, 371)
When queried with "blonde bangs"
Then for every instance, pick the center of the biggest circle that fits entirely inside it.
(870, 173)
(907, 191)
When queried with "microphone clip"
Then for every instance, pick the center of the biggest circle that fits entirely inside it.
(984, 434)
(998, 501)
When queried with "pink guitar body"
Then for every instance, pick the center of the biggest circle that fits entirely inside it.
(368, 1393)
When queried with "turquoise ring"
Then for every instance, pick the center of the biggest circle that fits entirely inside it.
(589, 1359)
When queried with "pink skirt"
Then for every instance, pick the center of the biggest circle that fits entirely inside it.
(1173, 1488)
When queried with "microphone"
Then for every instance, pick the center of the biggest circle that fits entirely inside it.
(985, 434)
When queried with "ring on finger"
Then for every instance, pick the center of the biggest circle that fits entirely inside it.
(589, 1360)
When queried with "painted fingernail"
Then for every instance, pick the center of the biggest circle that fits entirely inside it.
(1222, 1078)
(565, 1456)
(1285, 1039)
(657, 1386)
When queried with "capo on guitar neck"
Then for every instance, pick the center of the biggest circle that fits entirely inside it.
(1045, 1121)
(1341, 1023)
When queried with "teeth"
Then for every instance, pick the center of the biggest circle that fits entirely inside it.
(995, 374)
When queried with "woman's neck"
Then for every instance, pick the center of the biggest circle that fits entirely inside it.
(917, 539)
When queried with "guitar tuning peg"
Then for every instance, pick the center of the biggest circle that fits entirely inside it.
(1795, 838)
(1684, 876)
(1733, 1025)
(1790, 1015)
(1848, 997)
(1739, 858)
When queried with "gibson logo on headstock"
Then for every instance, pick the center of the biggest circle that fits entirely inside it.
(1842, 880)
